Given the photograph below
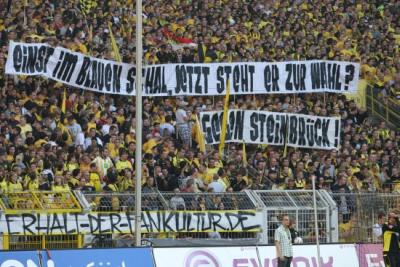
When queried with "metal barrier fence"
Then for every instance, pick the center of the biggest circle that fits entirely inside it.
(299, 206)
(34, 242)
(213, 202)
(382, 107)
(341, 217)
(209, 201)
(176, 202)
(358, 213)
(39, 201)
(103, 202)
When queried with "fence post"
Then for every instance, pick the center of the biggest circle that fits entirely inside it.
(260, 206)
(263, 240)
(43, 241)
(6, 242)
(372, 101)
(79, 240)
(358, 234)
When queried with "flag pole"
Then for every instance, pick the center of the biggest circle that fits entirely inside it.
(319, 264)
(138, 152)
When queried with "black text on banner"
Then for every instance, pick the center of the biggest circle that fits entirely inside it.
(105, 76)
(119, 222)
(273, 128)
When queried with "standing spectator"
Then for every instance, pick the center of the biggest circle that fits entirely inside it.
(182, 123)
(75, 130)
(239, 183)
(342, 198)
(296, 239)
(377, 228)
(177, 202)
(347, 230)
(283, 243)
(216, 185)
(391, 249)
(166, 128)
(123, 162)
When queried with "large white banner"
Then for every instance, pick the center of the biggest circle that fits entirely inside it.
(105, 76)
(273, 128)
(121, 222)
(262, 256)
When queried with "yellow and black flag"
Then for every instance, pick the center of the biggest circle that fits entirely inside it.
(87, 5)
(64, 102)
(224, 120)
(114, 46)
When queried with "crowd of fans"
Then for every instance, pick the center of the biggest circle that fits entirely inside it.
(92, 145)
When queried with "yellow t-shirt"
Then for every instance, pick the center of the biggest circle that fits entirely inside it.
(95, 180)
(60, 188)
(148, 146)
(344, 229)
(32, 185)
(125, 184)
(354, 170)
(208, 176)
(73, 182)
(120, 119)
(120, 165)
(14, 187)
(71, 166)
(26, 128)
(113, 149)
(300, 184)
(91, 125)
(3, 187)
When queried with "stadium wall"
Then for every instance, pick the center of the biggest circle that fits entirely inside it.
(333, 255)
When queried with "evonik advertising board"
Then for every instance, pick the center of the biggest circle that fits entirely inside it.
(262, 256)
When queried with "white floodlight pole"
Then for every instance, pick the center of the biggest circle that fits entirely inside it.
(316, 221)
(138, 152)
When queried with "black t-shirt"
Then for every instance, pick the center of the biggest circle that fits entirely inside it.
(395, 179)
(44, 186)
(393, 238)
(238, 186)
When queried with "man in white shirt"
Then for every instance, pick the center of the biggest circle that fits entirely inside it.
(177, 202)
(283, 243)
(90, 137)
(216, 185)
(73, 127)
(167, 127)
(182, 123)
(377, 228)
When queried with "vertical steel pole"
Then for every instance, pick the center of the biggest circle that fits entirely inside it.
(316, 220)
(138, 152)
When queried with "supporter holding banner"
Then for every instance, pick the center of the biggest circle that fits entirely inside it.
(105, 76)
(273, 128)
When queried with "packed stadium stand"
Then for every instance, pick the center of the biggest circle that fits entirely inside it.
(52, 144)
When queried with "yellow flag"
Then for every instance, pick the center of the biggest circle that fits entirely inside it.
(200, 136)
(114, 46)
(244, 155)
(90, 33)
(64, 102)
(224, 121)
(87, 6)
(286, 142)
